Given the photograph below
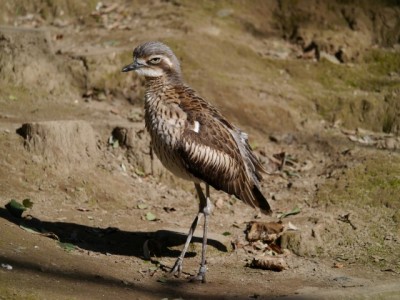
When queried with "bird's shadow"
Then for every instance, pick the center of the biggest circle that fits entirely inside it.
(111, 240)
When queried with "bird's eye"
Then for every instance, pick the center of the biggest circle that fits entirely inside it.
(154, 60)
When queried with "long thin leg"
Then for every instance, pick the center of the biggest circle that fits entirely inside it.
(178, 263)
(205, 208)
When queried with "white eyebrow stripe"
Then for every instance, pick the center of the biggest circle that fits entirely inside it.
(196, 127)
(167, 61)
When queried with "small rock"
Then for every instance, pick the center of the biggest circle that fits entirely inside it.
(7, 267)
(220, 203)
(329, 57)
(298, 244)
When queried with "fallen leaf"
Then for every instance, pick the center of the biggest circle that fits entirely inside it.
(150, 216)
(338, 265)
(139, 173)
(291, 173)
(259, 245)
(34, 230)
(30, 229)
(226, 233)
(294, 211)
(27, 203)
(276, 248)
(67, 246)
(142, 206)
(290, 226)
(15, 208)
(272, 263)
(115, 144)
(51, 235)
(264, 231)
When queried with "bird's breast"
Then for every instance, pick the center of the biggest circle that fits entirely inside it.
(163, 121)
(165, 124)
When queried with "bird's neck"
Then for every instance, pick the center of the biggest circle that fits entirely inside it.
(157, 83)
(155, 88)
(154, 84)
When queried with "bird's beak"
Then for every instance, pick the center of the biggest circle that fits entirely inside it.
(133, 66)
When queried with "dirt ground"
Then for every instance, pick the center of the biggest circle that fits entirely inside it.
(316, 86)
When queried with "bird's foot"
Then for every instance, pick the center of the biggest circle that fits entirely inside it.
(177, 268)
(201, 276)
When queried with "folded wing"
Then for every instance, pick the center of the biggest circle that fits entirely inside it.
(217, 153)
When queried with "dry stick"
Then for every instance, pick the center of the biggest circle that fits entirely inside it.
(345, 218)
(283, 162)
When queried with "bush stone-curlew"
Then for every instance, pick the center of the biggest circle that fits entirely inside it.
(194, 140)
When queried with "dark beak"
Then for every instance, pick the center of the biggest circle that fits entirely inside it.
(133, 66)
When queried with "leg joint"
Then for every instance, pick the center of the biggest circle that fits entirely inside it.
(208, 208)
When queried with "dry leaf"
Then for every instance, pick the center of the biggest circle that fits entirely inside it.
(338, 265)
(264, 231)
(290, 226)
(272, 263)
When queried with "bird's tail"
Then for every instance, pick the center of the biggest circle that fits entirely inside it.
(262, 202)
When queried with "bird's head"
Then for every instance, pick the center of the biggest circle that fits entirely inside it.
(154, 59)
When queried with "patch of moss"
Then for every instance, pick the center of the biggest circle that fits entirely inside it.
(10, 93)
(8, 293)
(369, 193)
(396, 216)
(382, 62)
(361, 95)
(375, 183)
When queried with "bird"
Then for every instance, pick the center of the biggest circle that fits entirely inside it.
(194, 141)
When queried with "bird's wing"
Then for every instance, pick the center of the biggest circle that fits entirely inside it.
(217, 153)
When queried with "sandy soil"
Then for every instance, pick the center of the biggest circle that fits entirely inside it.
(83, 157)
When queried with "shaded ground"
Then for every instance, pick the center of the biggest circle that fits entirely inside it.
(318, 82)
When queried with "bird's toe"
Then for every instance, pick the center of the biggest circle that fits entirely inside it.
(177, 268)
(200, 277)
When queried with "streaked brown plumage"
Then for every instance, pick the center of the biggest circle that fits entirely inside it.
(193, 139)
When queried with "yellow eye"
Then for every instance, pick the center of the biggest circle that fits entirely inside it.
(154, 60)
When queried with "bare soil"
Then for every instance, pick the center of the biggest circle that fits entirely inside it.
(316, 86)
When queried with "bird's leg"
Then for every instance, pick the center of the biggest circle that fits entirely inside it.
(178, 263)
(205, 209)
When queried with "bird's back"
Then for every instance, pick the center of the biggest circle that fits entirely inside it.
(195, 142)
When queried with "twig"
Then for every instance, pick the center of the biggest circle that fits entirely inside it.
(346, 219)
